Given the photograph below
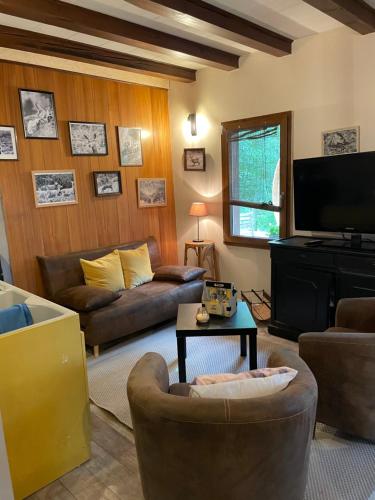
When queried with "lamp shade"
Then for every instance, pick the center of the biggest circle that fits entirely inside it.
(198, 209)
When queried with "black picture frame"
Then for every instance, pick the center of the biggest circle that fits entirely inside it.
(99, 192)
(200, 154)
(34, 121)
(74, 148)
(14, 143)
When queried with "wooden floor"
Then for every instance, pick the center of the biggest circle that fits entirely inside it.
(112, 472)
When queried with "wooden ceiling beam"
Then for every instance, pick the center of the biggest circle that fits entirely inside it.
(38, 43)
(90, 22)
(356, 14)
(207, 17)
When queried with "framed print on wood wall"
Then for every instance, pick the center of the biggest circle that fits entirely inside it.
(152, 192)
(38, 114)
(107, 183)
(88, 138)
(130, 146)
(8, 143)
(55, 187)
(195, 159)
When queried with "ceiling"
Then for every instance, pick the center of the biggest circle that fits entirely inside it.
(292, 18)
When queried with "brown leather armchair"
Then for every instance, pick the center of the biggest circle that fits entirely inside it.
(203, 449)
(343, 362)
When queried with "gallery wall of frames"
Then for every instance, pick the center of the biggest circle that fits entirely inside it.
(84, 162)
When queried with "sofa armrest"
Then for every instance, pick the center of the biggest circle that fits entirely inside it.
(85, 298)
(356, 313)
(182, 274)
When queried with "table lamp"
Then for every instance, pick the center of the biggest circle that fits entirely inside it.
(198, 209)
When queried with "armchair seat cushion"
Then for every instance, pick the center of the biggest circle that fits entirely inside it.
(182, 274)
(84, 298)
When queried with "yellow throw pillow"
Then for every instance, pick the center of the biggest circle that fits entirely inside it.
(105, 272)
(136, 265)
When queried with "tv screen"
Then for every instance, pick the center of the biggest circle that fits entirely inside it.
(335, 193)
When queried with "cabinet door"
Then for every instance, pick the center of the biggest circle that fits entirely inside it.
(301, 297)
(355, 285)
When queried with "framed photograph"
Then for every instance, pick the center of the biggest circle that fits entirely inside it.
(38, 114)
(130, 146)
(88, 139)
(56, 187)
(340, 141)
(152, 193)
(107, 183)
(195, 159)
(8, 143)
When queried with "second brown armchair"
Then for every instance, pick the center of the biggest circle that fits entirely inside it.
(343, 362)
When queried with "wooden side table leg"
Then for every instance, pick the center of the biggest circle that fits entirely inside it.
(200, 261)
(186, 256)
(215, 264)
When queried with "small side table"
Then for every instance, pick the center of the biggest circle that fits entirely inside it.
(206, 254)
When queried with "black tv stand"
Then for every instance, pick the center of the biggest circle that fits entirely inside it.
(308, 282)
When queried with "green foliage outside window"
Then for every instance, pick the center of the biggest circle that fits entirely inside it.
(255, 157)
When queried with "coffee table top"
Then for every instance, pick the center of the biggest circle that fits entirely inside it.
(241, 320)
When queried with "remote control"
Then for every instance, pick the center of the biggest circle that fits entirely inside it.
(313, 243)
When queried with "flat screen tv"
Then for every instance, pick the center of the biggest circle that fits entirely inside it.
(335, 193)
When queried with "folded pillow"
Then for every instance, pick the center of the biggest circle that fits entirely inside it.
(244, 389)
(105, 272)
(136, 266)
(182, 274)
(85, 298)
(228, 377)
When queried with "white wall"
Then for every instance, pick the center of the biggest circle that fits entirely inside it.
(328, 82)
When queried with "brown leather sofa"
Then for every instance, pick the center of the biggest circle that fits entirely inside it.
(106, 315)
(343, 362)
(221, 449)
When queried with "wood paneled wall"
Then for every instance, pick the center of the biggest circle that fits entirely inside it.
(93, 222)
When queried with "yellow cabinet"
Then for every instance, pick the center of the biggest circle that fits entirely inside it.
(43, 393)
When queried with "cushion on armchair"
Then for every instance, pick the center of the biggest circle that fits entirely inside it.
(182, 274)
(85, 298)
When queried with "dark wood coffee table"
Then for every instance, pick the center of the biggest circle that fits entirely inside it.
(241, 323)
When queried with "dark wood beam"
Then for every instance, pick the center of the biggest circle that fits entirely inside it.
(356, 14)
(90, 22)
(38, 43)
(207, 17)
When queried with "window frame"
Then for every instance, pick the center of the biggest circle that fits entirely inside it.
(283, 119)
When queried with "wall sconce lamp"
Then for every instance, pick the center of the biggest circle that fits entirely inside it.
(192, 118)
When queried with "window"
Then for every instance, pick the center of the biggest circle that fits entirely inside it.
(256, 164)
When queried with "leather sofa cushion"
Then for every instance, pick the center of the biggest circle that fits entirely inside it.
(85, 298)
(182, 274)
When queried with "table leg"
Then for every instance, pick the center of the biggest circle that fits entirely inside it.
(181, 353)
(243, 345)
(253, 351)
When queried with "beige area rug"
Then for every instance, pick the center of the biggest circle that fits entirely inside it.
(341, 468)
(109, 373)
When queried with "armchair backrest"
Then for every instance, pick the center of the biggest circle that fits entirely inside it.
(196, 448)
